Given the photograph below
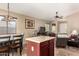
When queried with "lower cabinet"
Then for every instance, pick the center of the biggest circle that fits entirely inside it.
(51, 47)
(45, 48)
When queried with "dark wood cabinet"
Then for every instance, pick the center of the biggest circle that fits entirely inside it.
(33, 48)
(45, 48)
(51, 47)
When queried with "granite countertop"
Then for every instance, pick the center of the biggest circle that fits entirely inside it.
(40, 39)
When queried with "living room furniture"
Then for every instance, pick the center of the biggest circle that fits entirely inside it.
(40, 46)
(73, 41)
(61, 41)
(52, 34)
(41, 31)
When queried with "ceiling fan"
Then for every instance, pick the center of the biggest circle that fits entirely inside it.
(58, 17)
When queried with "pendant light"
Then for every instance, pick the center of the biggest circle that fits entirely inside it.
(8, 12)
(6, 18)
(9, 18)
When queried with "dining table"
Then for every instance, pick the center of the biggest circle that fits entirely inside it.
(11, 37)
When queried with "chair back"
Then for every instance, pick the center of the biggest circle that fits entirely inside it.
(4, 41)
(17, 40)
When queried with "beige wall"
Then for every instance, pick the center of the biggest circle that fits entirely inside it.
(73, 22)
(20, 27)
(38, 23)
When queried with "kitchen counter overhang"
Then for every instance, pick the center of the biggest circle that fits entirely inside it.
(40, 39)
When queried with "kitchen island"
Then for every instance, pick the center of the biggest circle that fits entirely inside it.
(40, 46)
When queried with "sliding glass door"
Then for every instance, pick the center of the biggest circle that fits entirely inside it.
(12, 27)
(7, 27)
(3, 26)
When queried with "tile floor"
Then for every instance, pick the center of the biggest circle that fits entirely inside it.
(69, 51)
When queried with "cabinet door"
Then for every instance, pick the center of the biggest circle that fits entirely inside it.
(44, 49)
(51, 47)
(32, 49)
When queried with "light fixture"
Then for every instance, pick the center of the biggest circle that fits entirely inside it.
(8, 12)
(8, 17)
(58, 17)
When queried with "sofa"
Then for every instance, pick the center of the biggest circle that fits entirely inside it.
(42, 31)
(61, 41)
(73, 41)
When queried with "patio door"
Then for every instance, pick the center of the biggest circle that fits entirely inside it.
(7, 27)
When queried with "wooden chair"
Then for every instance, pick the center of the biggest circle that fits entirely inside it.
(4, 45)
(16, 44)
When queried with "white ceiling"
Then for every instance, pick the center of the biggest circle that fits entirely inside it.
(42, 10)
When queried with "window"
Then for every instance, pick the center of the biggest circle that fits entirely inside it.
(47, 27)
(7, 27)
(3, 29)
(54, 28)
(62, 27)
(12, 27)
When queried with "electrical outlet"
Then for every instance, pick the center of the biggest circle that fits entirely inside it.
(32, 48)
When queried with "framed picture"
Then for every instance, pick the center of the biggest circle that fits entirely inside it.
(29, 24)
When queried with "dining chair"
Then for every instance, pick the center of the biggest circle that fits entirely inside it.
(16, 44)
(4, 45)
